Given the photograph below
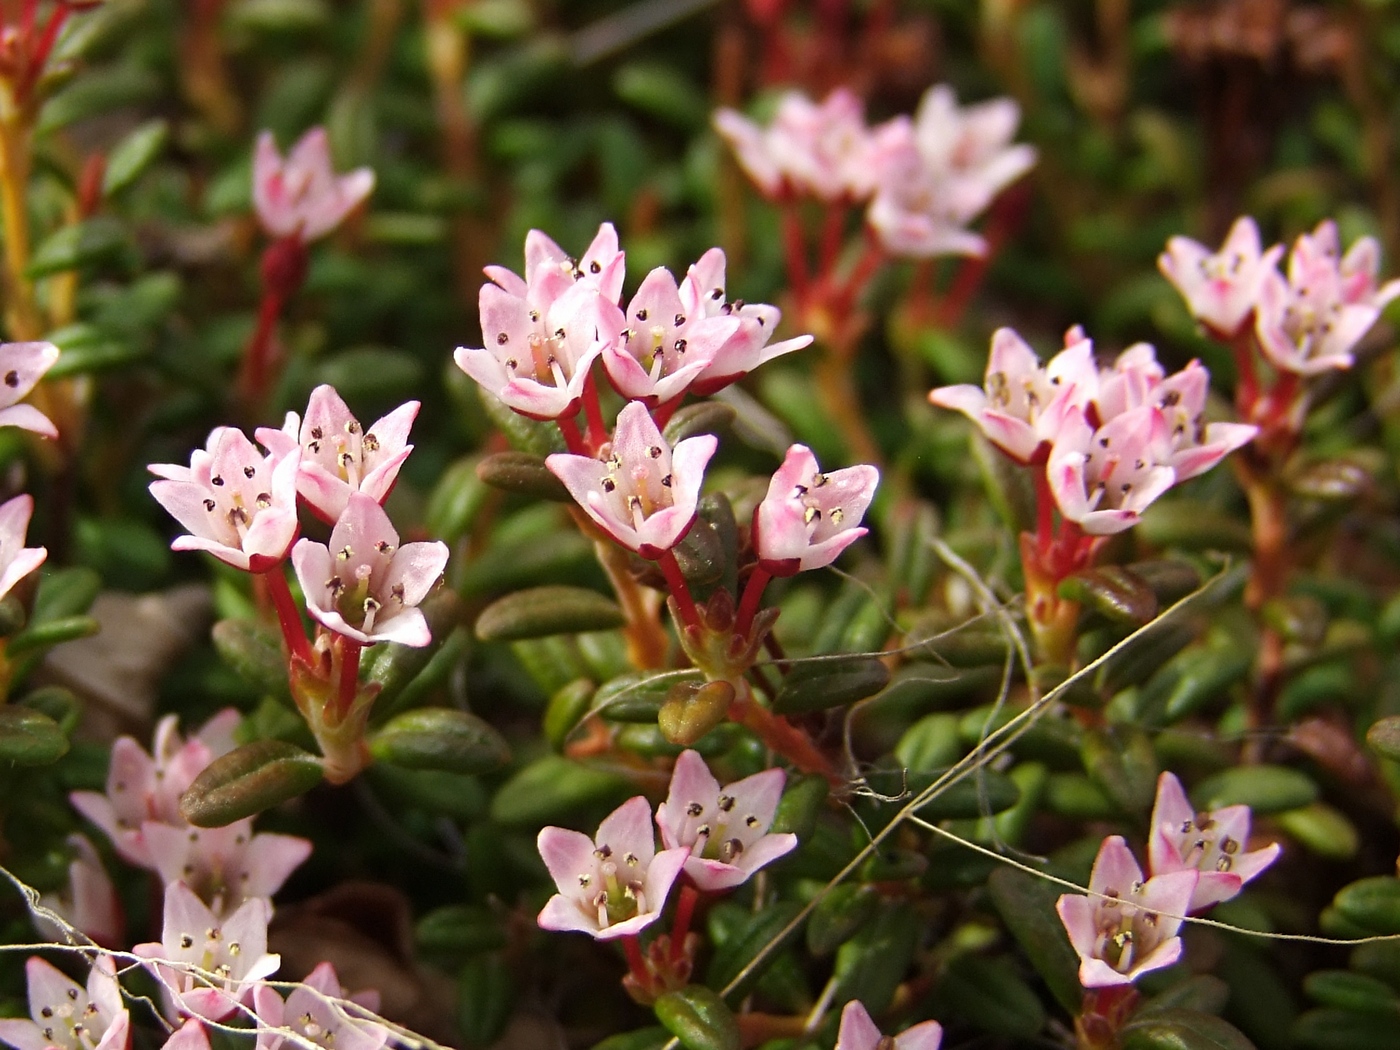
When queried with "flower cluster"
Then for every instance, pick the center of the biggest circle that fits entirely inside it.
(545, 331)
(1307, 319)
(1128, 924)
(1110, 440)
(616, 884)
(925, 178)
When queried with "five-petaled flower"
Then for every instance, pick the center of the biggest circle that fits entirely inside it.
(808, 517)
(613, 885)
(22, 365)
(702, 293)
(338, 455)
(819, 149)
(315, 1011)
(724, 829)
(940, 170)
(1103, 479)
(1127, 926)
(146, 787)
(239, 504)
(858, 1032)
(364, 585)
(224, 866)
(301, 195)
(217, 962)
(68, 1016)
(16, 560)
(644, 494)
(1211, 843)
(1221, 288)
(538, 353)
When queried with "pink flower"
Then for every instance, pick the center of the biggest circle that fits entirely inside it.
(1104, 479)
(1022, 406)
(1311, 322)
(1184, 840)
(239, 505)
(22, 365)
(665, 345)
(301, 195)
(724, 830)
(822, 150)
(702, 293)
(1221, 289)
(614, 885)
(1194, 446)
(91, 903)
(808, 518)
(313, 1011)
(338, 456)
(208, 965)
(364, 585)
(550, 271)
(145, 787)
(189, 1036)
(537, 356)
(67, 1016)
(941, 170)
(858, 1032)
(224, 866)
(643, 494)
(1130, 927)
(16, 560)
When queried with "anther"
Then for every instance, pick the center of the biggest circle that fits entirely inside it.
(502, 338)
(248, 472)
(694, 809)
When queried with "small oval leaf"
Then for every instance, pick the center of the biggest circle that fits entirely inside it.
(441, 738)
(543, 611)
(29, 737)
(821, 684)
(248, 780)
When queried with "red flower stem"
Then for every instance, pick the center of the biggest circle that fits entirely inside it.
(288, 615)
(257, 357)
(675, 580)
(1247, 388)
(833, 233)
(598, 435)
(748, 604)
(572, 437)
(1044, 510)
(866, 266)
(796, 245)
(685, 908)
(349, 673)
(662, 413)
(39, 57)
(635, 963)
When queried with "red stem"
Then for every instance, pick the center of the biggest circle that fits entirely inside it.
(1044, 510)
(865, 268)
(833, 233)
(748, 604)
(662, 413)
(288, 615)
(675, 580)
(40, 55)
(796, 245)
(1247, 390)
(633, 947)
(257, 357)
(349, 673)
(597, 430)
(572, 437)
(685, 908)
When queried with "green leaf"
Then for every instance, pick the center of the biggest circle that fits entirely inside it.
(58, 703)
(130, 157)
(77, 245)
(870, 965)
(1373, 903)
(543, 611)
(97, 91)
(638, 695)
(699, 1019)
(662, 91)
(1352, 991)
(248, 780)
(1200, 992)
(551, 788)
(85, 348)
(1263, 788)
(523, 473)
(254, 650)
(838, 915)
(1183, 1030)
(1384, 737)
(653, 1038)
(742, 946)
(485, 996)
(1114, 592)
(29, 737)
(443, 739)
(1027, 906)
(460, 928)
(52, 632)
(800, 807)
(703, 417)
(989, 994)
(1321, 830)
(1330, 1029)
(821, 684)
